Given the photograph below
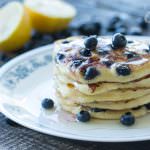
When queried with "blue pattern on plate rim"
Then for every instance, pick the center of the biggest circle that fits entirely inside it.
(22, 70)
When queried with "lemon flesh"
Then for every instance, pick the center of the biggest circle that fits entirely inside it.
(50, 15)
(15, 27)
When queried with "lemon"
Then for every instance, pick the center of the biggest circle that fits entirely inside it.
(15, 26)
(49, 15)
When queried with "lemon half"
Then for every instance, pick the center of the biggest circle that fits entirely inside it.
(15, 26)
(49, 15)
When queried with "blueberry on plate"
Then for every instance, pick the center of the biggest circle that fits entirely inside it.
(91, 73)
(91, 42)
(90, 28)
(127, 119)
(119, 41)
(83, 116)
(47, 103)
(135, 31)
(123, 70)
(85, 52)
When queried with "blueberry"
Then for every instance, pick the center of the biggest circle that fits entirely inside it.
(36, 35)
(108, 63)
(147, 106)
(85, 52)
(91, 73)
(142, 23)
(59, 57)
(47, 103)
(98, 110)
(91, 42)
(127, 119)
(120, 24)
(47, 38)
(119, 41)
(83, 116)
(130, 54)
(76, 63)
(90, 28)
(3, 57)
(123, 70)
(112, 23)
(62, 34)
(121, 30)
(135, 31)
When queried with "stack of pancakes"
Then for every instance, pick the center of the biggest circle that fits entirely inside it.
(107, 83)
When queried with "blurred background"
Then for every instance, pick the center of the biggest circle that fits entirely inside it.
(93, 17)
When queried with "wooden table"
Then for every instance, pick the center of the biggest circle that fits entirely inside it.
(20, 138)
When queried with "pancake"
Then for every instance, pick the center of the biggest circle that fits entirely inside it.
(102, 87)
(120, 105)
(71, 52)
(104, 78)
(108, 114)
(114, 95)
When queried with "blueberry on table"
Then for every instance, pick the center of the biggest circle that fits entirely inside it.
(123, 70)
(135, 31)
(47, 103)
(119, 41)
(127, 119)
(121, 30)
(142, 23)
(112, 23)
(91, 73)
(85, 52)
(91, 42)
(83, 116)
(90, 28)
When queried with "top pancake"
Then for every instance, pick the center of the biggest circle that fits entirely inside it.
(138, 65)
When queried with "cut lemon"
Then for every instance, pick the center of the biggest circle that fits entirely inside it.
(15, 27)
(49, 15)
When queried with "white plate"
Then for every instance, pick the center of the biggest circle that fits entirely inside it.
(26, 80)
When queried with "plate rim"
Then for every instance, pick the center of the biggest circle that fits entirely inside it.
(54, 133)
